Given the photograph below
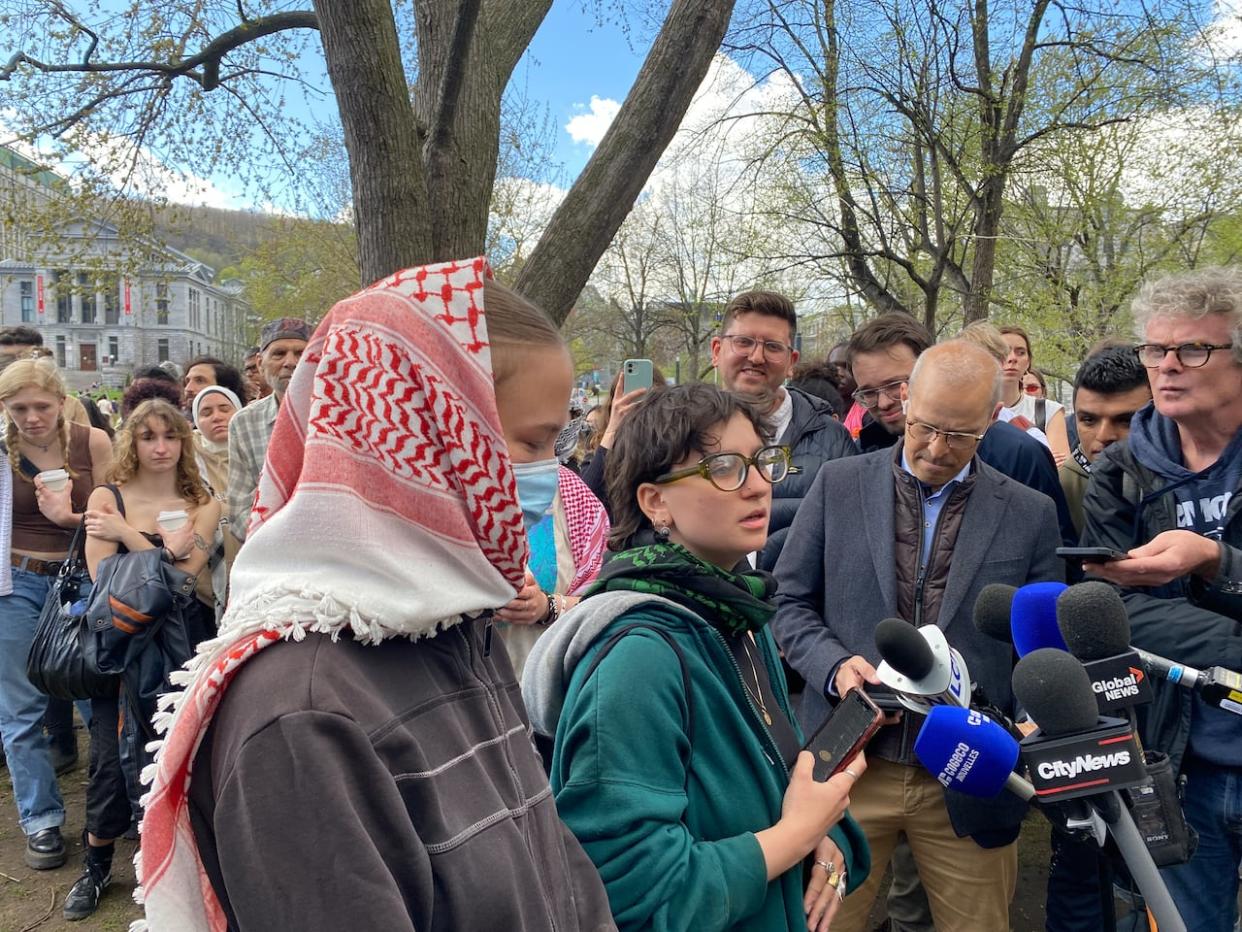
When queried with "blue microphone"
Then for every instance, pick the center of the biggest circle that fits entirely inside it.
(970, 753)
(1033, 618)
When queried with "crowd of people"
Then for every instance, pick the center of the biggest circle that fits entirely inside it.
(451, 663)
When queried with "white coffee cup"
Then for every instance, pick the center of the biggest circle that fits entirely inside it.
(171, 520)
(54, 479)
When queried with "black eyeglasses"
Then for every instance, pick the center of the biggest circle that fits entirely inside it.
(728, 471)
(956, 439)
(870, 397)
(1190, 355)
(744, 346)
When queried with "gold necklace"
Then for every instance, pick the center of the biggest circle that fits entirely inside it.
(757, 695)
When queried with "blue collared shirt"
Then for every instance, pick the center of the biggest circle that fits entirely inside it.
(933, 504)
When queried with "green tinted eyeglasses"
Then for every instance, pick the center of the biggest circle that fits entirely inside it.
(728, 471)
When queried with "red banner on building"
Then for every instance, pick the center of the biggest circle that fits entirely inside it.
(39, 293)
(129, 308)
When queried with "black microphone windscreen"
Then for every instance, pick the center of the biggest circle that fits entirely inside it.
(992, 611)
(904, 648)
(1093, 620)
(1055, 689)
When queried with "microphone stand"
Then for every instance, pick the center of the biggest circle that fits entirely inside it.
(1142, 868)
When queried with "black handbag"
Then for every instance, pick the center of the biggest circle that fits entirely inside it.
(57, 663)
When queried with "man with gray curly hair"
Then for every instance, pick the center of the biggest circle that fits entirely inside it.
(1167, 496)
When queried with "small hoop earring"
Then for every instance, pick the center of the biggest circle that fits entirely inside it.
(662, 532)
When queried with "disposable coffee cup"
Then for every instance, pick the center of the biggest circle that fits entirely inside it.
(54, 479)
(171, 520)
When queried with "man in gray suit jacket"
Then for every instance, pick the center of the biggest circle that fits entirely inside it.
(931, 526)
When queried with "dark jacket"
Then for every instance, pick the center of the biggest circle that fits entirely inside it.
(1190, 620)
(837, 579)
(814, 438)
(388, 787)
(1021, 457)
(1008, 450)
(666, 784)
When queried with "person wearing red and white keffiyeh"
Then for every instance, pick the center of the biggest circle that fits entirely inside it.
(352, 750)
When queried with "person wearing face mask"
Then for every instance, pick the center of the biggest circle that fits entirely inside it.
(389, 782)
(568, 532)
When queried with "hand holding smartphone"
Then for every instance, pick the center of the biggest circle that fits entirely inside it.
(1092, 554)
(843, 734)
(636, 374)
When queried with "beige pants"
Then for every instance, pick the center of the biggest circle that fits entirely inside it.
(968, 887)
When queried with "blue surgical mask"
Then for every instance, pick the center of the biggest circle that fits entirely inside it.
(536, 487)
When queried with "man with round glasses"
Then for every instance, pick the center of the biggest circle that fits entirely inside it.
(929, 525)
(754, 355)
(1172, 487)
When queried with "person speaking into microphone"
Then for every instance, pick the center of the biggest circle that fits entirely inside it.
(1167, 497)
(915, 533)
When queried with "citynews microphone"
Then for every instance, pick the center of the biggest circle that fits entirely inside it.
(1092, 617)
(920, 666)
(1033, 617)
(970, 753)
(1079, 754)
(1076, 752)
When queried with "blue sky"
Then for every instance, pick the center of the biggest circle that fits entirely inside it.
(572, 59)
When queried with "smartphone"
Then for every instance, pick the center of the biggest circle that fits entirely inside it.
(843, 734)
(885, 699)
(636, 373)
(1092, 554)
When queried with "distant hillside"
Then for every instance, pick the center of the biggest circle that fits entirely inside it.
(218, 237)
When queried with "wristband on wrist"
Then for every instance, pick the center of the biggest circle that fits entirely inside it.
(553, 611)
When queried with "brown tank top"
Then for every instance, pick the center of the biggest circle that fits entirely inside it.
(34, 533)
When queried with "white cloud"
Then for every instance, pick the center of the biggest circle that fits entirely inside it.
(113, 160)
(1226, 29)
(590, 127)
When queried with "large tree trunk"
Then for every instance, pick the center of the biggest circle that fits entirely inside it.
(604, 193)
(391, 206)
(457, 101)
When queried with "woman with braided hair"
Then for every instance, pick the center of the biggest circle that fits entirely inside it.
(38, 438)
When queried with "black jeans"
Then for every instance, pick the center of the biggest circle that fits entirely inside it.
(108, 812)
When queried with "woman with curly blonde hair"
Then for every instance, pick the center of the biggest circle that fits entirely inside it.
(153, 498)
(41, 517)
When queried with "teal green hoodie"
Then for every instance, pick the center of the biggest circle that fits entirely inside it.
(665, 790)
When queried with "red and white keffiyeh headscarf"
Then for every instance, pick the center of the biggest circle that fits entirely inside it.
(387, 508)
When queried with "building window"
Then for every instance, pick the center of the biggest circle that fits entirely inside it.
(161, 303)
(112, 303)
(28, 302)
(196, 310)
(87, 286)
(161, 349)
(64, 298)
(114, 349)
(60, 352)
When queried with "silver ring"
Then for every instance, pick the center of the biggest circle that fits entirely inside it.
(820, 862)
(850, 772)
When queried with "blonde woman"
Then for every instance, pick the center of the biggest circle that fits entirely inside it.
(155, 471)
(38, 438)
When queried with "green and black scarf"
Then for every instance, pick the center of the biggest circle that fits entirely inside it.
(732, 602)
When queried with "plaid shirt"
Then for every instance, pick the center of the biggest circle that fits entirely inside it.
(249, 433)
